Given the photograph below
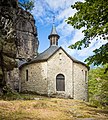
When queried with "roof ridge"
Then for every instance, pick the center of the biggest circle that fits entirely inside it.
(45, 55)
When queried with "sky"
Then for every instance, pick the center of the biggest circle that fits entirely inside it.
(44, 11)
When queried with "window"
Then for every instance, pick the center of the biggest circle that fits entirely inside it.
(60, 82)
(51, 41)
(60, 56)
(86, 76)
(26, 75)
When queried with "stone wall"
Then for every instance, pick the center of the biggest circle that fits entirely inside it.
(37, 78)
(60, 63)
(13, 79)
(80, 82)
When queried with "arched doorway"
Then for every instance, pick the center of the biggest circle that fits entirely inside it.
(60, 82)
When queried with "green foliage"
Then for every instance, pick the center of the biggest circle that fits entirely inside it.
(92, 16)
(98, 87)
(100, 57)
(26, 4)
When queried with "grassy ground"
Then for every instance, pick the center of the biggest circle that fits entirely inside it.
(43, 108)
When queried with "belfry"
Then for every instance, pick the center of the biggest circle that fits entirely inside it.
(53, 37)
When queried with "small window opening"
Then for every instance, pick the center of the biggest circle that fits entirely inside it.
(26, 75)
(85, 76)
(60, 56)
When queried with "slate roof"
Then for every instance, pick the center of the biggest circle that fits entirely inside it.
(44, 56)
(53, 32)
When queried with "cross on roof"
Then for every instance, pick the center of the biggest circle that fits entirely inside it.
(53, 19)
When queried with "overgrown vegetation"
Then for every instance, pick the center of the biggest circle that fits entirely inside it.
(98, 87)
(13, 95)
(91, 15)
(26, 4)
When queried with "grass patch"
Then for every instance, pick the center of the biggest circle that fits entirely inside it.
(47, 109)
(40, 105)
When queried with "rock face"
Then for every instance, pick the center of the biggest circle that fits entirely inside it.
(7, 38)
(26, 33)
(18, 39)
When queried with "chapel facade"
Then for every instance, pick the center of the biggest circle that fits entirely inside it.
(55, 73)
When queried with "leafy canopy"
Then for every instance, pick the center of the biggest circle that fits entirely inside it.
(92, 15)
(26, 4)
(98, 86)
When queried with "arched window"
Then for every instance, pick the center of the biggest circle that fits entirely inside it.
(60, 82)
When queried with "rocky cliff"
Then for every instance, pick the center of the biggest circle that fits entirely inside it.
(26, 33)
(8, 49)
(18, 37)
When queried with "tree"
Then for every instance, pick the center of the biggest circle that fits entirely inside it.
(26, 4)
(92, 16)
(98, 86)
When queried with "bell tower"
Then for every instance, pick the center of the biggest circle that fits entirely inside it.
(53, 37)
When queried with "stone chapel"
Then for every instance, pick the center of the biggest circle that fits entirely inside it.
(55, 73)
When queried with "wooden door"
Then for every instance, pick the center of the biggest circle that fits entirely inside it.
(60, 82)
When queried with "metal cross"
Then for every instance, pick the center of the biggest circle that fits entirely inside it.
(53, 19)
